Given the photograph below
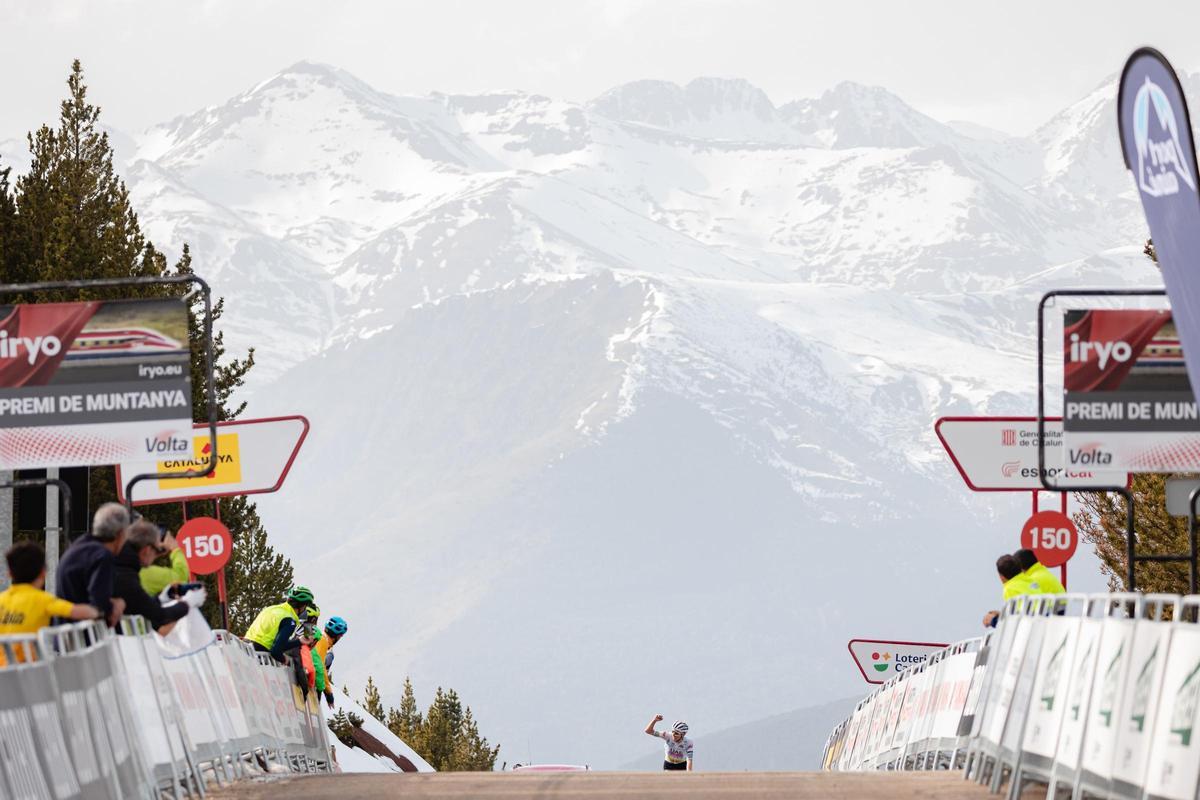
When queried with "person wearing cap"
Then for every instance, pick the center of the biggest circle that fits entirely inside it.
(140, 549)
(156, 577)
(680, 751)
(272, 630)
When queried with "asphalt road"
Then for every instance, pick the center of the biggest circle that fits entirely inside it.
(640, 785)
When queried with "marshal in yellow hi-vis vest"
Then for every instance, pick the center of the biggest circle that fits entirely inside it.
(266, 625)
(229, 463)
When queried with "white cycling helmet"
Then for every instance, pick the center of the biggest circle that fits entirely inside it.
(680, 726)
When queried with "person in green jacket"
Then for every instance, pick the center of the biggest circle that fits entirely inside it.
(314, 615)
(1040, 579)
(273, 629)
(155, 577)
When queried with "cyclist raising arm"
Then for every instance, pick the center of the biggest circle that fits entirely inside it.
(679, 748)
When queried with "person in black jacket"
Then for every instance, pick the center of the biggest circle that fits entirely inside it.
(85, 573)
(140, 550)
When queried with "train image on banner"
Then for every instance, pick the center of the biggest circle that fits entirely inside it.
(140, 342)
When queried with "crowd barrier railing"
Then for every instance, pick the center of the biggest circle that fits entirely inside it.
(1098, 695)
(86, 713)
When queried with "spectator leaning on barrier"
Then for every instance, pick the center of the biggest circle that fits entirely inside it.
(155, 577)
(85, 573)
(1040, 579)
(140, 549)
(1009, 570)
(313, 629)
(271, 632)
(24, 607)
(335, 629)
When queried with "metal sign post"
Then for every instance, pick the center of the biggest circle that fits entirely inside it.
(64, 498)
(1063, 509)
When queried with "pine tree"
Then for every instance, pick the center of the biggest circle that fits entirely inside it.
(406, 721)
(372, 703)
(339, 724)
(442, 723)
(472, 752)
(74, 218)
(8, 229)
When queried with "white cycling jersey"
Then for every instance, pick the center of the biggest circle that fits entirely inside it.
(677, 752)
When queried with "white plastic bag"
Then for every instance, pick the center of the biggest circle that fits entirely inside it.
(191, 634)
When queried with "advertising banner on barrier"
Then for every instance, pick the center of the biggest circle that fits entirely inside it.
(93, 383)
(1052, 678)
(1000, 454)
(1174, 763)
(1143, 682)
(254, 456)
(880, 659)
(1108, 684)
(1157, 143)
(1128, 404)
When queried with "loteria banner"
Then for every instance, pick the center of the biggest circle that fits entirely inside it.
(1156, 141)
(92, 383)
(1128, 404)
(882, 659)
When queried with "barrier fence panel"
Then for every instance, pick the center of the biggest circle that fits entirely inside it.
(1108, 686)
(37, 692)
(1099, 694)
(1048, 695)
(959, 669)
(1173, 764)
(1143, 686)
(85, 713)
(1008, 754)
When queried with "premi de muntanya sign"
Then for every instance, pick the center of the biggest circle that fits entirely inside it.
(1128, 404)
(92, 383)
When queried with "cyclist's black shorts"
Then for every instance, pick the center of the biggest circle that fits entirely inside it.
(680, 765)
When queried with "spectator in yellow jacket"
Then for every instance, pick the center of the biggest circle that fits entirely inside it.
(1040, 580)
(157, 577)
(24, 606)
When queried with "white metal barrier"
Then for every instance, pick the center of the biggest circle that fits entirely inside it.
(1098, 695)
(85, 713)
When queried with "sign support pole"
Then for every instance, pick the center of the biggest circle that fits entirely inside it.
(64, 497)
(1064, 564)
(53, 528)
(191, 575)
(6, 519)
(221, 578)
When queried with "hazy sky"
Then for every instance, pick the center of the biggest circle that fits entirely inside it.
(1009, 65)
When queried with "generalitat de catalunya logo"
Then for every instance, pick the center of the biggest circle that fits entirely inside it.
(881, 661)
(1161, 163)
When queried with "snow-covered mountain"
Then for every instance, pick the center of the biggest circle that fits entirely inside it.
(628, 405)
